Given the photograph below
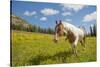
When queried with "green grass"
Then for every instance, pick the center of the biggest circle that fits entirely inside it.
(37, 48)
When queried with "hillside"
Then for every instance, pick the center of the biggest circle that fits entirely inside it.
(17, 21)
(20, 24)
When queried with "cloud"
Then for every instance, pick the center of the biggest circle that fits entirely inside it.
(66, 14)
(27, 13)
(90, 17)
(49, 11)
(75, 8)
(43, 18)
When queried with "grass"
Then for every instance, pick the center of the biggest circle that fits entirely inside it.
(37, 48)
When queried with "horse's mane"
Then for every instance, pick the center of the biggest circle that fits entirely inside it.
(73, 28)
(68, 25)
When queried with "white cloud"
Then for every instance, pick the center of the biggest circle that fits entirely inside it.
(27, 13)
(90, 17)
(43, 18)
(49, 11)
(66, 14)
(75, 7)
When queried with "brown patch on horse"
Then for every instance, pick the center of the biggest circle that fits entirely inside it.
(60, 28)
(71, 37)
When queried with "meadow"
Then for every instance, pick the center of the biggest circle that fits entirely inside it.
(36, 48)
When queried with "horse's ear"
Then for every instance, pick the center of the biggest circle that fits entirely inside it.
(56, 22)
(60, 21)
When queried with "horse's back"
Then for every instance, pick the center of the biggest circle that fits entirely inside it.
(77, 32)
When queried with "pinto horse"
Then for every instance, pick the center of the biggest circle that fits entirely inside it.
(74, 34)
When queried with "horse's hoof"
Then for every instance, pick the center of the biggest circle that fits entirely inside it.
(56, 41)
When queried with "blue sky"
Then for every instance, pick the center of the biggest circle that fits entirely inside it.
(45, 14)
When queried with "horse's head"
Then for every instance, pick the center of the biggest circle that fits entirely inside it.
(58, 31)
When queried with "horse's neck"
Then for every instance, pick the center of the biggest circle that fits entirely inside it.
(69, 27)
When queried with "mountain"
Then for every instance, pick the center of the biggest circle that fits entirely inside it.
(20, 24)
(17, 21)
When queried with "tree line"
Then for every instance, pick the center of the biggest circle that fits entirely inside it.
(93, 30)
(32, 28)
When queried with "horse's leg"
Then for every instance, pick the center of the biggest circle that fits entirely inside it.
(66, 38)
(83, 43)
(74, 49)
(75, 45)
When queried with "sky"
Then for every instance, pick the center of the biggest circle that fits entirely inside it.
(45, 14)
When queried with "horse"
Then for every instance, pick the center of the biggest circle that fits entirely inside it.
(73, 34)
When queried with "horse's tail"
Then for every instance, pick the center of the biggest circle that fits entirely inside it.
(84, 30)
(85, 33)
